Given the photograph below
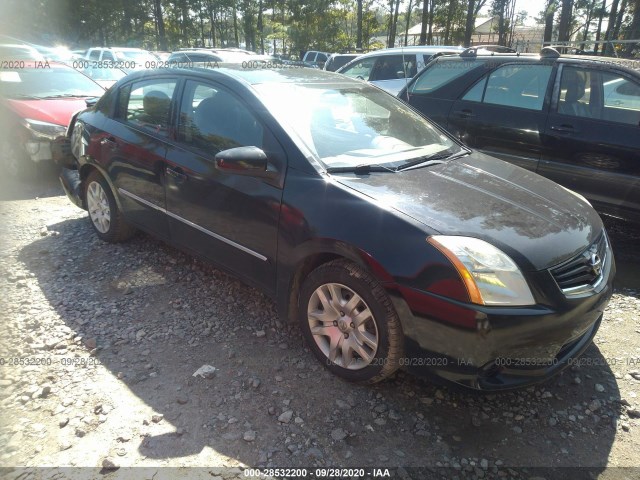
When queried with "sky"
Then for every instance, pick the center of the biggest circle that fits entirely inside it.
(532, 7)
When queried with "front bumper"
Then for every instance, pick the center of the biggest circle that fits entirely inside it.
(496, 348)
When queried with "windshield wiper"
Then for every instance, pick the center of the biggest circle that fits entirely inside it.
(362, 169)
(435, 159)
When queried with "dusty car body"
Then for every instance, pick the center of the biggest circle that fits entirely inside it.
(390, 242)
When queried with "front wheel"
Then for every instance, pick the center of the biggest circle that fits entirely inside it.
(349, 322)
(104, 214)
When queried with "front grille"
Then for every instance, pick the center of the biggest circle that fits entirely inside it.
(584, 270)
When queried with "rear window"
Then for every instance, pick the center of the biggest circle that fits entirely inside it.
(441, 72)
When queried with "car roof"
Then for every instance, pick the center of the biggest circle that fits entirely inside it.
(549, 56)
(123, 49)
(252, 76)
(414, 50)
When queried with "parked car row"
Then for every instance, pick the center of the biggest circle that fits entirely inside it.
(494, 277)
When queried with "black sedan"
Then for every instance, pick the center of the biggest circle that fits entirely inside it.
(389, 241)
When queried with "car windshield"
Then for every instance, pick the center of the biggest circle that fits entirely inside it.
(140, 56)
(97, 73)
(349, 125)
(47, 83)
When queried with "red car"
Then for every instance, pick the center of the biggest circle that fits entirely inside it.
(37, 100)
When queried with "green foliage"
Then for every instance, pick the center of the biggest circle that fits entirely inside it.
(291, 26)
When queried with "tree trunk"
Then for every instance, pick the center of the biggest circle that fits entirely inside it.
(549, 14)
(633, 31)
(432, 4)
(212, 32)
(247, 18)
(603, 10)
(260, 27)
(470, 23)
(395, 23)
(359, 27)
(162, 39)
(587, 24)
(607, 49)
(184, 17)
(447, 28)
(621, 12)
(425, 20)
(501, 23)
(406, 30)
(564, 28)
(235, 27)
(201, 16)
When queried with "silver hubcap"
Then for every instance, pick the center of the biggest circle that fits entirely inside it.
(98, 205)
(343, 326)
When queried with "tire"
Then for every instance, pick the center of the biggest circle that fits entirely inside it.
(104, 215)
(15, 161)
(375, 340)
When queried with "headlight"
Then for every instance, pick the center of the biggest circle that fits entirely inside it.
(45, 129)
(490, 276)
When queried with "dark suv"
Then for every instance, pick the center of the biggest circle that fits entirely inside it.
(573, 119)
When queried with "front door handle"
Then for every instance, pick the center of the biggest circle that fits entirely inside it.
(465, 113)
(564, 128)
(176, 173)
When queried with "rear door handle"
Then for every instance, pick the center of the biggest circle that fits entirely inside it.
(110, 141)
(176, 173)
(564, 128)
(465, 113)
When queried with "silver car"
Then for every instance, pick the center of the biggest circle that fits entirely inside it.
(391, 68)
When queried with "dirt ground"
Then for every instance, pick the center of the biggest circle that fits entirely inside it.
(99, 344)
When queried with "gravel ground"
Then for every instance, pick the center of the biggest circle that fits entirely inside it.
(112, 335)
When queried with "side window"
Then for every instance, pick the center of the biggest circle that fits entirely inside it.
(440, 72)
(105, 103)
(389, 67)
(94, 55)
(321, 57)
(621, 99)
(177, 57)
(148, 105)
(107, 56)
(522, 86)
(475, 93)
(575, 93)
(361, 69)
(212, 119)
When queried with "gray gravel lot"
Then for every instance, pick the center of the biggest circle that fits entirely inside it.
(112, 335)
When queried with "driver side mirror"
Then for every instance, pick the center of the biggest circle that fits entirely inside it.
(400, 74)
(250, 161)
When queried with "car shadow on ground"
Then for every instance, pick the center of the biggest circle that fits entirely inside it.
(43, 183)
(155, 315)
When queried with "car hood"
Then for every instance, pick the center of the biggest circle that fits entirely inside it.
(534, 220)
(55, 110)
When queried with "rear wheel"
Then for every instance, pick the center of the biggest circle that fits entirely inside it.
(105, 216)
(349, 322)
